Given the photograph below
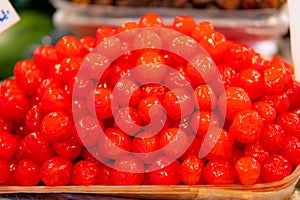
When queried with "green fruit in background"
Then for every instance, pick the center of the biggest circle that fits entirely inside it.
(14, 42)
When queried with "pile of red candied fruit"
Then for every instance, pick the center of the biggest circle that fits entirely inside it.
(259, 141)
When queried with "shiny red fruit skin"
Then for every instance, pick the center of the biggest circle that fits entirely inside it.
(275, 168)
(34, 118)
(251, 81)
(178, 103)
(56, 126)
(290, 123)
(5, 124)
(8, 145)
(34, 147)
(102, 102)
(68, 46)
(247, 126)
(155, 90)
(165, 173)
(13, 104)
(236, 100)
(55, 99)
(218, 172)
(184, 24)
(4, 170)
(87, 130)
(69, 148)
(151, 20)
(190, 170)
(146, 142)
(247, 170)
(223, 147)
(114, 143)
(257, 151)
(291, 150)
(56, 171)
(104, 176)
(201, 121)
(265, 110)
(173, 141)
(45, 57)
(147, 104)
(27, 173)
(128, 170)
(271, 138)
(84, 173)
(206, 98)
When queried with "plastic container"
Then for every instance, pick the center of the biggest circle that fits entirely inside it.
(240, 25)
(278, 190)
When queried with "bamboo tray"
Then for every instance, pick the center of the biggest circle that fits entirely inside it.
(278, 190)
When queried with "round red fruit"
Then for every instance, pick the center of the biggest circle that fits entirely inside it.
(246, 126)
(128, 170)
(84, 173)
(8, 145)
(190, 170)
(56, 171)
(27, 173)
(236, 100)
(275, 168)
(218, 172)
(56, 126)
(247, 170)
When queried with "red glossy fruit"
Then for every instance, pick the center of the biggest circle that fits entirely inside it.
(265, 110)
(184, 24)
(69, 148)
(236, 100)
(88, 130)
(145, 143)
(150, 109)
(174, 142)
(150, 68)
(84, 173)
(218, 172)
(102, 102)
(251, 81)
(4, 170)
(27, 173)
(247, 126)
(151, 20)
(128, 170)
(178, 103)
(55, 99)
(190, 170)
(69, 46)
(207, 99)
(35, 147)
(45, 57)
(290, 123)
(257, 151)
(275, 168)
(56, 126)
(291, 149)
(164, 171)
(247, 170)
(13, 104)
(104, 175)
(8, 145)
(56, 171)
(222, 142)
(5, 124)
(201, 121)
(271, 138)
(114, 143)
